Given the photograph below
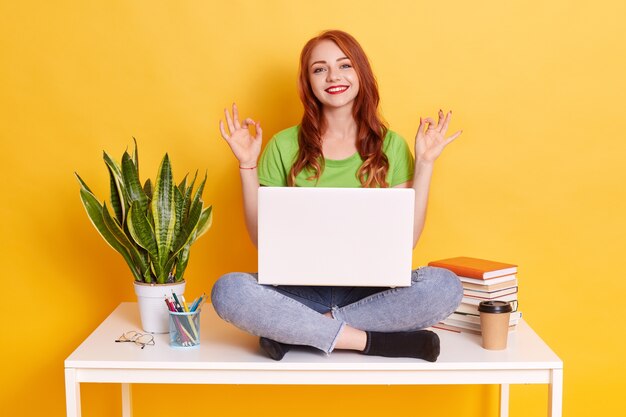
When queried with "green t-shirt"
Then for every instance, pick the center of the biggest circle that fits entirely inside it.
(281, 152)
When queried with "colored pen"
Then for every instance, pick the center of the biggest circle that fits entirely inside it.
(177, 304)
(184, 334)
(196, 303)
(171, 305)
(182, 298)
(201, 302)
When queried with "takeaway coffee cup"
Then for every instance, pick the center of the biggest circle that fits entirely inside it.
(494, 323)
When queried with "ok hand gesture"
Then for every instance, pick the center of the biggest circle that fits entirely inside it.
(246, 147)
(431, 138)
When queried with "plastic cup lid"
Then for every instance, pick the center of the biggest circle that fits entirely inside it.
(495, 307)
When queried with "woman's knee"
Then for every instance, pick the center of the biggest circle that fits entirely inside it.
(447, 286)
(228, 291)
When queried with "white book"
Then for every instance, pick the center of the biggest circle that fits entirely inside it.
(489, 295)
(476, 301)
(461, 324)
(489, 281)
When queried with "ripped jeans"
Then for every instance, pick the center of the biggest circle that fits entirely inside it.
(295, 314)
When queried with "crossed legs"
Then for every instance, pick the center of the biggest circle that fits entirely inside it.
(328, 318)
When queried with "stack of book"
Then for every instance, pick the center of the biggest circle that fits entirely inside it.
(482, 280)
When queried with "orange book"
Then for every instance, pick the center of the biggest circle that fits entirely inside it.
(475, 268)
(486, 286)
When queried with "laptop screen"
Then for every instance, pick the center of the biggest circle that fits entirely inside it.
(335, 236)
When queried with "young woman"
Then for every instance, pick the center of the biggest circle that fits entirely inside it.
(341, 142)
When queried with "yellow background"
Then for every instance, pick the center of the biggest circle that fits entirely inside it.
(537, 178)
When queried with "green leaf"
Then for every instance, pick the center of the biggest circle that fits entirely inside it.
(149, 215)
(204, 224)
(132, 184)
(142, 232)
(82, 183)
(168, 269)
(182, 258)
(153, 226)
(164, 211)
(117, 200)
(189, 227)
(136, 159)
(187, 194)
(94, 212)
(149, 275)
(179, 203)
(198, 195)
(181, 263)
(147, 188)
(183, 185)
(113, 166)
(138, 254)
(119, 195)
(191, 222)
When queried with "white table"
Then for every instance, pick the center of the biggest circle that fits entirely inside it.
(227, 355)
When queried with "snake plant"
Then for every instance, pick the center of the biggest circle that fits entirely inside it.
(151, 226)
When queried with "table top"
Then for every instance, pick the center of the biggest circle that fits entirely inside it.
(224, 347)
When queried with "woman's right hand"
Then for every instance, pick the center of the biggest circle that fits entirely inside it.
(246, 147)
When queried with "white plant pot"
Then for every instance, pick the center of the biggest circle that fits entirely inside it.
(152, 309)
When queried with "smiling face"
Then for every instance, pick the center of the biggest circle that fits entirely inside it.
(334, 81)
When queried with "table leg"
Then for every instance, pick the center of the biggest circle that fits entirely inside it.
(72, 393)
(127, 401)
(555, 396)
(504, 400)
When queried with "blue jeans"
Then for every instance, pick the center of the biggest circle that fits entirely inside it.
(294, 314)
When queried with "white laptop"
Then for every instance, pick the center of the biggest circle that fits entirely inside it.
(336, 236)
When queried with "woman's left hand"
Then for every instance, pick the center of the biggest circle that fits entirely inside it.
(431, 138)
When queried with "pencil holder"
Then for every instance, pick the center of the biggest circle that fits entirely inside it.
(184, 329)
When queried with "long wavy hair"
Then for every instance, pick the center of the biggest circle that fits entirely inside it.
(371, 129)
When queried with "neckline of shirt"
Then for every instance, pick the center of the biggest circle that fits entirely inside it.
(340, 162)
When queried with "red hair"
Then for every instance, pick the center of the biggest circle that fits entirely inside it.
(371, 130)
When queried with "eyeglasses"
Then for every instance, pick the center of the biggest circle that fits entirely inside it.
(140, 339)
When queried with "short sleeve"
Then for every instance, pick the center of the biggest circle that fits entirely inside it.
(401, 163)
(278, 157)
(272, 171)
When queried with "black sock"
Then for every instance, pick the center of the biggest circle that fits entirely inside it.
(421, 344)
(274, 349)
